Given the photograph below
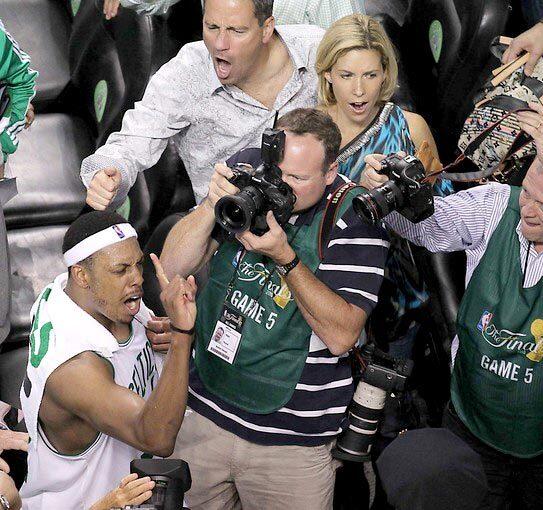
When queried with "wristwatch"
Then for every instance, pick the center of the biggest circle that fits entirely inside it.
(287, 268)
(4, 503)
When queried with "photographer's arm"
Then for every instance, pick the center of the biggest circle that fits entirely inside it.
(189, 244)
(337, 323)
(334, 315)
(458, 223)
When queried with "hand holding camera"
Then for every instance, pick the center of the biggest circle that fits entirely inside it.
(405, 189)
(220, 186)
(371, 176)
(273, 244)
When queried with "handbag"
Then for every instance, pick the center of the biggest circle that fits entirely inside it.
(493, 146)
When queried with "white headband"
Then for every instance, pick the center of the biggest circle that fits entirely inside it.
(95, 242)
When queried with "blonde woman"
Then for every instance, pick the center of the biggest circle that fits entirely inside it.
(357, 71)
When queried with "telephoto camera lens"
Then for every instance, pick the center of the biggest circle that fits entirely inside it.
(364, 416)
(372, 206)
(236, 213)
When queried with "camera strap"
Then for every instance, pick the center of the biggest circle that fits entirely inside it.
(520, 141)
(330, 212)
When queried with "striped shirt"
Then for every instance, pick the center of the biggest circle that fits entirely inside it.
(353, 267)
(466, 221)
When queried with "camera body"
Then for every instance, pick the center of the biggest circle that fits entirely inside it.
(172, 479)
(384, 371)
(261, 190)
(405, 192)
(381, 374)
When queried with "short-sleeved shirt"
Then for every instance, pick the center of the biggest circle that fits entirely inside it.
(212, 121)
(352, 267)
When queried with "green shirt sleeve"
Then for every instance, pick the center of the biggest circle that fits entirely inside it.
(20, 80)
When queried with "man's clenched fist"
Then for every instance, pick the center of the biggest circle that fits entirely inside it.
(103, 188)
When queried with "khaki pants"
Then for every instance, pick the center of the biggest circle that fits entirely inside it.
(231, 473)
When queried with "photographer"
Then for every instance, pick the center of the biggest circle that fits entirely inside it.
(497, 383)
(93, 396)
(265, 419)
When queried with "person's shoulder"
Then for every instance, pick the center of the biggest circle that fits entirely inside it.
(249, 155)
(191, 56)
(84, 365)
(414, 120)
(306, 35)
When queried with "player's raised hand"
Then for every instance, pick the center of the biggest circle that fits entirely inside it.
(178, 297)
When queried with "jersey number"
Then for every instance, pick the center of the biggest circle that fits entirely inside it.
(39, 335)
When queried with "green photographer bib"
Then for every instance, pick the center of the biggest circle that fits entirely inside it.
(275, 337)
(497, 382)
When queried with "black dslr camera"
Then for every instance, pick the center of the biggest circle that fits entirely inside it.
(405, 192)
(172, 479)
(261, 190)
(381, 374)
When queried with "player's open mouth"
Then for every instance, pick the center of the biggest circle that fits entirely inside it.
(133, 304)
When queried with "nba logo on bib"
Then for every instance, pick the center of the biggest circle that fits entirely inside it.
(484, 321)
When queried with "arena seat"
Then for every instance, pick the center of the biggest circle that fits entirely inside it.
(7, 192)
(47, 163)
(30, 22)
(444, 46)
(402, 96)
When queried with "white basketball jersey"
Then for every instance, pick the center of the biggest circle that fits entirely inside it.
(60, 331)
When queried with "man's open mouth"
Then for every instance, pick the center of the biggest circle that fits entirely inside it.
(222, 68)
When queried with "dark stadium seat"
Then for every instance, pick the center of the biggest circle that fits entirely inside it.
(444, 46)
(402, 96)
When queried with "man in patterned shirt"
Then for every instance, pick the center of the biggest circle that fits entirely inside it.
(218, 95)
